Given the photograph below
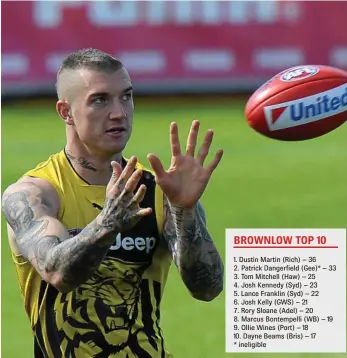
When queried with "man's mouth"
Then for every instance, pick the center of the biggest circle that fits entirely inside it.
(116, 130)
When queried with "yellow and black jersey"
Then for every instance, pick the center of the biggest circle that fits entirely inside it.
(116, 313)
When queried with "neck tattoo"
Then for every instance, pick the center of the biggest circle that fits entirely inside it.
(83, 162)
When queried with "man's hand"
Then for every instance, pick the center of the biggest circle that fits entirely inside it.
(186, 179)
(185, 232)
(122, 208)
(42, 239)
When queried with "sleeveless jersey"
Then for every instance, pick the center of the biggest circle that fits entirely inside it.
(116, 313)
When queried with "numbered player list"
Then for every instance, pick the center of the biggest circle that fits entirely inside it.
(286, 290)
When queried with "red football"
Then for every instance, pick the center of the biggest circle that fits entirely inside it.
(299, 103)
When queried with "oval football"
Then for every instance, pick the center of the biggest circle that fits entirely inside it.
(299, 105)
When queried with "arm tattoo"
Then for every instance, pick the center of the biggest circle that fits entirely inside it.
(193, 251)
(77, 258)
(73, 259)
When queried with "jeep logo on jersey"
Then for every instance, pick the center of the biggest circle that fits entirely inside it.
(139, 243)
(306, 110)
(299, 73)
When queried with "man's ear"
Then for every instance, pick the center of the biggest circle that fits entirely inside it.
(64, 110)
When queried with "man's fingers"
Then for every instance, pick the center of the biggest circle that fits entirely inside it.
(116, 170)
(120, 177)
(133, 181)
(140, 194)
(214, 163)
(205, 147)
(156, 165)
(126, 174)
(116, 173)
(144, 212)
(192, 138)
(174, 140)
(129, 168)
(138, 197)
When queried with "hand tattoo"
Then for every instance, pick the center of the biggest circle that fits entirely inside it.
(74, 259)
(44, 241)
(193, 251)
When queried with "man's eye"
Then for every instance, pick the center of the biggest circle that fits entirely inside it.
(127, 97)
(100, 100)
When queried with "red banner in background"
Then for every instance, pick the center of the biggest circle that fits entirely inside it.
(183, 40)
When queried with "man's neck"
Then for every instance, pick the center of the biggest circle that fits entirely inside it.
(94, 169)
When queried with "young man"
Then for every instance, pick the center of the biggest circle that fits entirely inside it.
(93, 234)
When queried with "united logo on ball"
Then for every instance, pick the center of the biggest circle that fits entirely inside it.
(308, 109)
(300, 103)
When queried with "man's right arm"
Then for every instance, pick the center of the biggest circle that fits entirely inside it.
(42, 239)
(31, 212)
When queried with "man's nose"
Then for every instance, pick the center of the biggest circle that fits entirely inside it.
(117, 111)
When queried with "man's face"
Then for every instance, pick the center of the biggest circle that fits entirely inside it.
(102, 110)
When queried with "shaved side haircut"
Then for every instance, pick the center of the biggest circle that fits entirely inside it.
(91, 59)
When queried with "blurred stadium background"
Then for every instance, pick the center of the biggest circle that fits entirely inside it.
(188, 60)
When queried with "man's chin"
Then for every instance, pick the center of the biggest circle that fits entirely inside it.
(115, 145)
(114, 148)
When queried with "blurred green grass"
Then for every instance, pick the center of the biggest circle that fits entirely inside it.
(260, 183)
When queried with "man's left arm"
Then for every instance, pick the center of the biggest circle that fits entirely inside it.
(193, 251)
(183, 184)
